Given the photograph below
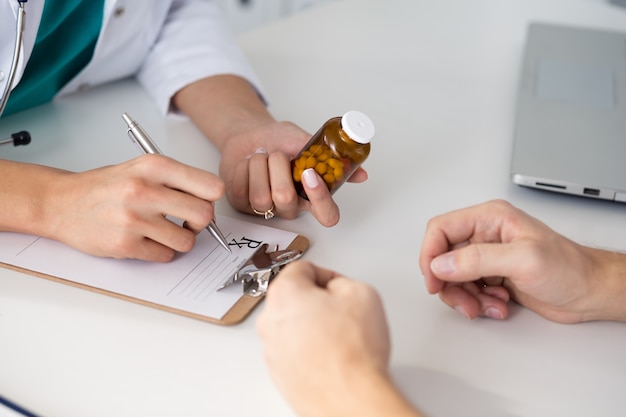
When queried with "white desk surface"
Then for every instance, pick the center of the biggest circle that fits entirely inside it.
(439, 79)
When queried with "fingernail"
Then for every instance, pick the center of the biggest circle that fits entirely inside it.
(461, 310)
(443, 264)
(310, 178)
(494, 313)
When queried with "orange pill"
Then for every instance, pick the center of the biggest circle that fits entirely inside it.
(321, 168)
(310, 162)
(334, 163)
(300, 163)
(297, 174)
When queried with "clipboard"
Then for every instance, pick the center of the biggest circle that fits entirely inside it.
(241, 304)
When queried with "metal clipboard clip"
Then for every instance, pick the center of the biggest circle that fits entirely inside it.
(257, 273)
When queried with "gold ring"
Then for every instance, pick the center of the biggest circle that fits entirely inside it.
(268, 214)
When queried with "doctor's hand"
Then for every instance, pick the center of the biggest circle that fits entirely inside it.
(256, 166)
(119, 211)
(326, 344)
(479, 258)
(256, 150)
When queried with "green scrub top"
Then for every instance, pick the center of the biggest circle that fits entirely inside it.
(65, 42)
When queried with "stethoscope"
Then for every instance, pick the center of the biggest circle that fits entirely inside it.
(23, 137)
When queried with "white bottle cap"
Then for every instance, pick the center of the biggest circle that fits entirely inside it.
(358, 126)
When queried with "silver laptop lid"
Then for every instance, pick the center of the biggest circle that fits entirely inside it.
(570, 132)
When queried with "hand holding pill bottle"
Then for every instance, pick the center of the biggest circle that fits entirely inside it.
(340, 146)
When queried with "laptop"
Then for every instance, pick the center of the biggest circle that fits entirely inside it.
(570, 122)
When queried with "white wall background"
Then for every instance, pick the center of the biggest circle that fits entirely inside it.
(247, 14)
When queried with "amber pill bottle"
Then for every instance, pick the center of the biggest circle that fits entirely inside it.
(340, 146)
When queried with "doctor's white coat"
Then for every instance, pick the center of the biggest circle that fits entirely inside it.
(166, 44)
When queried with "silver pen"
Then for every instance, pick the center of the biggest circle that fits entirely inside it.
(141, 138)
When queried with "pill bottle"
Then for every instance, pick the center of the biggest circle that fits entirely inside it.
(340, 146)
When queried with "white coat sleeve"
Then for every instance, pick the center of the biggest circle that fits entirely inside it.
(195, 42)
